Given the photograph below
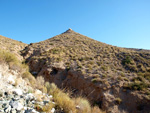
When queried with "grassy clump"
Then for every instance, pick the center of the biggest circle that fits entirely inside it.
(65, 103)
(96, 80)
(46, 108)
(8, 57)
(118, 101)
(141, 82)
(138, 86)
(83, 104)
(127, 60)
(12, 61)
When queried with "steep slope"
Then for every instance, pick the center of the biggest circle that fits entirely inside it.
(117, 79)
(11, 45)
(20, 92)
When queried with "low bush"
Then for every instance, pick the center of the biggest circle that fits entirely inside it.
(138, 86)
(47, 108)
(7, 57)
(118, 101)
(84, 105)
(127, 60)
(64, 102)
(96, 109)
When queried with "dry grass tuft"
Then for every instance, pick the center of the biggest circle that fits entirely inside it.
(64, 102)
(84, 105)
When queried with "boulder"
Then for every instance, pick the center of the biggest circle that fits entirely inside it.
(30, 97)
(52, 110)
(38, 92)
(16, 105)
(17, 91)
(8, 109)
(11, 80)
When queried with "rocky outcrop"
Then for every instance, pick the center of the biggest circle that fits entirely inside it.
(16, 96)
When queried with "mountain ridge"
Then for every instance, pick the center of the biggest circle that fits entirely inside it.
(105, 74)
(70, 57)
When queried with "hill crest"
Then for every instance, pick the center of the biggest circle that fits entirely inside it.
(105, 74)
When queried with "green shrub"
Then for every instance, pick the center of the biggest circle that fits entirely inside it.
(7, 57)
(118, 101)
(104, 68)
(127, 60)
(95, 80)
(62, 99)
(137, 86)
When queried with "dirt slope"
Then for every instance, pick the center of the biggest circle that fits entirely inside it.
(117, 79)
(12, 45)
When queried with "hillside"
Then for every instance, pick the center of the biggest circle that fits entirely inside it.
(11, 45)
(21, 92)
(116, 79)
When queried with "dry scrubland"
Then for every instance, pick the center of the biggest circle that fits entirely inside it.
(115, 71)
(105, 64)
(63, 101)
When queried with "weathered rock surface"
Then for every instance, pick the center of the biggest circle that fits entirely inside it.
(15, 98)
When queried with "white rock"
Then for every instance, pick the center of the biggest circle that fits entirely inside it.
(8, 109)
(50, 96)
(17, 91)
(0, 75)
(38, 91)
(17, 105)
(8, 88)
(13, 111)
(77, 107)
(53, 110)
(25, 108)
(13, 72)
(30, 96)
(53, 102)
(11, 80)
(34, 111)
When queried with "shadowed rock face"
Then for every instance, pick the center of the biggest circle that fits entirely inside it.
(93, 69)
(106, 99)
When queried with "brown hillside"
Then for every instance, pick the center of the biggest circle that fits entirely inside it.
(11, 45)
(116, 79)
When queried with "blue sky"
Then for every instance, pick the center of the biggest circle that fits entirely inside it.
(123, 23)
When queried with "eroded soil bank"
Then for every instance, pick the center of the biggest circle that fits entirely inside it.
(112, 99)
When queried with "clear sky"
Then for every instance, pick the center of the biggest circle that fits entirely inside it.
(123, 23)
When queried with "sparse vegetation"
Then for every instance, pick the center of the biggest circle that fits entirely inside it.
(47, 108)
(118, 101)
(67, 104)
(11, 60)
(91, 57)
(11, 45)
(103, 65)
(127, 60)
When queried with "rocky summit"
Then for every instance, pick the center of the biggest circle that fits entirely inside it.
(110, 78)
